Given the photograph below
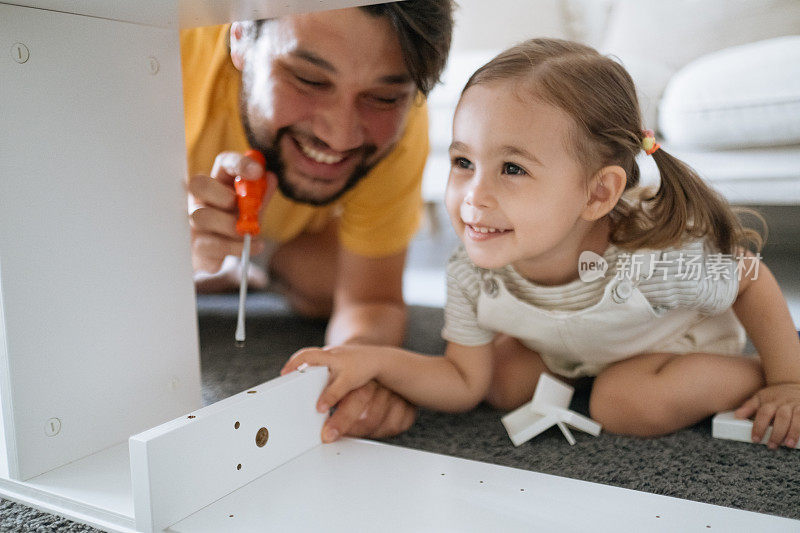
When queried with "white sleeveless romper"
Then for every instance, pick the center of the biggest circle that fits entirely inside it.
(621, 325)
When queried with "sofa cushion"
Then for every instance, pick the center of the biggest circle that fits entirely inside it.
(654, 38)
(744, 96)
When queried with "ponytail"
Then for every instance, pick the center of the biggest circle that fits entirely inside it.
(683, 207)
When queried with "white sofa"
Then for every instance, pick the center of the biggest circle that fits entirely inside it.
(722, 92)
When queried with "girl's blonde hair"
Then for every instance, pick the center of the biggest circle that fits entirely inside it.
(600, 96)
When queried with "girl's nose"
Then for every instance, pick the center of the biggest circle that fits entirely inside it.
(479, 192)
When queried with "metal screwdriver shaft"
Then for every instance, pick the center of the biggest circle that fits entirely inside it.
(243, 291)
(249, 195)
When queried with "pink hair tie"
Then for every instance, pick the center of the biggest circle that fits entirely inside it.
(649, 144)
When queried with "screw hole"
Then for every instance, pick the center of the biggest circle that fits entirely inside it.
(191, 416)
(236, 425)
(239, 466)
(262, 437)
(251, 392)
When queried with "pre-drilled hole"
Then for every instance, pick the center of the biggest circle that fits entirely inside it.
(239, 466)
(236, 425)
(262, 437)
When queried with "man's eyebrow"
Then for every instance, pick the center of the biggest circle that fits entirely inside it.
(314, 59)
(311, 57)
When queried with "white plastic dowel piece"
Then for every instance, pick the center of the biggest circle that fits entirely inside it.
(245, 266)
(726, 426)
(566, 432)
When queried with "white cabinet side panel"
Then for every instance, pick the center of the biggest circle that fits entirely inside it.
(188, 463)
(99, 315)
(356, 485)
(6, 454)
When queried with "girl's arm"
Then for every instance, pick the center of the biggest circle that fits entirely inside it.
(762, 310)
(456, 382)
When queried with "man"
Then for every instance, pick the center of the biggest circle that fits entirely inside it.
(335, 102)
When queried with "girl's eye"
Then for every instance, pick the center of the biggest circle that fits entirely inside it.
(461, 162)
(512, 169)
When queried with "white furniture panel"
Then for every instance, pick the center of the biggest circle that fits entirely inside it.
(357, 485)
(183, 465)
(99, 333)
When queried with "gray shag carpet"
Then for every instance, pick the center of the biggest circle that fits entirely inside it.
(689, 464)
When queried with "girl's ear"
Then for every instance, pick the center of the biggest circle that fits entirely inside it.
(240, 39)
(604, 191)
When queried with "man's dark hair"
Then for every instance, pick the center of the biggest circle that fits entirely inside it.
(424, 28)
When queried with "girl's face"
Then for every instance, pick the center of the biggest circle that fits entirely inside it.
(515, 194)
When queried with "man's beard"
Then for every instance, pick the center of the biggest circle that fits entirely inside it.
(275, 163)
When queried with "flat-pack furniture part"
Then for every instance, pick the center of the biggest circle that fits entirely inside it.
(726, 426)
(549, 407)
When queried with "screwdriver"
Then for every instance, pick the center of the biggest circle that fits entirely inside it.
(249, 195)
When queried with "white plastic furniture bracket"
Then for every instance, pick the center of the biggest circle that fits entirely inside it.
(548, 407)
(725, 425)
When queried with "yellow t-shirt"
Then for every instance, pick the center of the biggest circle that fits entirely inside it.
(378, 216)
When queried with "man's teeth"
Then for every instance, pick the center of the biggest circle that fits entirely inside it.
(320, 157)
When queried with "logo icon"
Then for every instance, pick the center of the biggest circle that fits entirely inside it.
(591, 266)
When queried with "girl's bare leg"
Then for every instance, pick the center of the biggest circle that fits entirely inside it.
(515, 373)
(655, 394)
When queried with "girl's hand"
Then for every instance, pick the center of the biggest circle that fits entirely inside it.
(350, 367)
(779, 405)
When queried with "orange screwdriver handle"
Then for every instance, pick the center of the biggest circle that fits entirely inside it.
(249, 195)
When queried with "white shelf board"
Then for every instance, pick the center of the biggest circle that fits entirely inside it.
(95, 490)
(358, 485)
(101, 480)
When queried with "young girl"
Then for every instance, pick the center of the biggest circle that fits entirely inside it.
(542, 193)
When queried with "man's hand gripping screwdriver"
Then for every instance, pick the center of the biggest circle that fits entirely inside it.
(249, 197)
